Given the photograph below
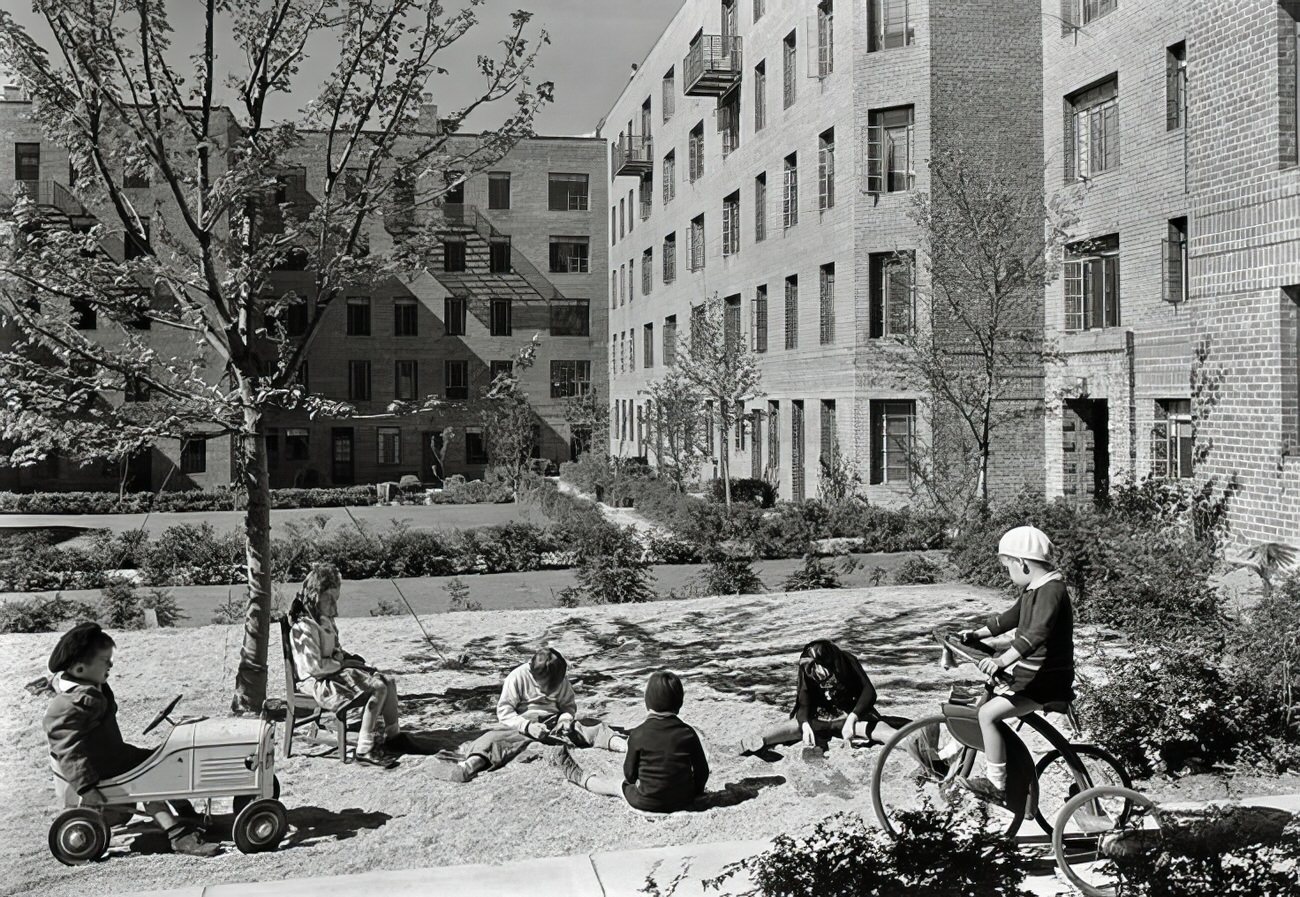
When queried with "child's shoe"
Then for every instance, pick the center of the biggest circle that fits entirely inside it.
(558, 755)
(376, 756)
(751, 743)
(984, 790)
(448, 770)
(188, 843)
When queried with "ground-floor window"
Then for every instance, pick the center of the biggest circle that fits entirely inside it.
(390, 445)
(893, 434)
(1171, 439)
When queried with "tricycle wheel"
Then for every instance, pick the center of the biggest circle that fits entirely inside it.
(1101, 834)
(260, 826)
(79, 836)
(244, 800)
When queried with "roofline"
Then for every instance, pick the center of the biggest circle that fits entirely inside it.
(641, 65)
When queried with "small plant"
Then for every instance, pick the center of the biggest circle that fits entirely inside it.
(230, 611)
(119, 605)
(918, 570)
(730, 574)
(386, 607)
(1265, 868)
(612, 568)
(38, 614)
(163, 604)
(877, 574)
(569, 596)
(814, 574)
(458, 596)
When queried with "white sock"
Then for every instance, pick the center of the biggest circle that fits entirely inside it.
(997, 774)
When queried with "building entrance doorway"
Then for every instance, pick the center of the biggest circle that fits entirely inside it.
(1085, 450)
(343, 470)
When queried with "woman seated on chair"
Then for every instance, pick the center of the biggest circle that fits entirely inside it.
(338, 677)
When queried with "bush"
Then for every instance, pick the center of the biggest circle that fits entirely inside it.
(591, 473)
(414, 552)
(178, 501)
(745, 490)
(190, 554)
(458, 597)
(918, 570)
(230, 611)
(508, 548)
(119, 605)
(934, 855)
(42, 614)
(1253, 869)
(473, 492)
(814, 574)
(163, 604)
(667, 549)
(386, 607)
(730, 574)
(612, 569)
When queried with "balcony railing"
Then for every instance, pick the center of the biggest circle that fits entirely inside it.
(712, 66)
(634, 155)
(52, 194)
(470, 216)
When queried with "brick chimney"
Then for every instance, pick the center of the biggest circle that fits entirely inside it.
(428, 123)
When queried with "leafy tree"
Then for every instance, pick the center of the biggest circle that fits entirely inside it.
(675, 424)
(509, 421)
(195, 263)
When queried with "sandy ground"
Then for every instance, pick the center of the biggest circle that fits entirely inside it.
(736, 656)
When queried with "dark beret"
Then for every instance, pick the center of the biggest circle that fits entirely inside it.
(75, 644)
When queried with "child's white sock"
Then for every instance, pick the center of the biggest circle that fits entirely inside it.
(997, 774)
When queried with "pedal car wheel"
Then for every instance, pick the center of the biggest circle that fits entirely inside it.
(260, 826)
(79, 836)
(1101, 834)
(244, 800)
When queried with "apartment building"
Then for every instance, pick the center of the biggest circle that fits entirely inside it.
(521, 250)
(768, 153)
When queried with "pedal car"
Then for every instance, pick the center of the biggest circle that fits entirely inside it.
(201, 759)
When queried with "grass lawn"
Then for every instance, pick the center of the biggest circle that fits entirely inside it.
(736, 656)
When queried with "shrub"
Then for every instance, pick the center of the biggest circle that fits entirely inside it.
(1263, 868)
(472, 492)
(612, 569)
(230, 611)
(42, 614)
(814, 574)
(1265, 649)
(119, 605)
(458, 596)
(195, 554)
(510, 547)
(668, 549)
(415, 552)
(918, 570)
(163, 604)
(730, 574)
(934, 855)
(747, 490)
(386, 607)
(178, 501)
(591, 473)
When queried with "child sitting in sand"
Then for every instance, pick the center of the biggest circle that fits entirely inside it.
(665, 768)
(537, 703)
(85, 740)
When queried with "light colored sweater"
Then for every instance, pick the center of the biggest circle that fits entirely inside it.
(523, 702)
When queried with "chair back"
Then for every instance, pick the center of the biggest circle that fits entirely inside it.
(291, 677)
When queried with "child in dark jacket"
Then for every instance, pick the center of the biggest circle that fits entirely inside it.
(85, 740)
(665, 769)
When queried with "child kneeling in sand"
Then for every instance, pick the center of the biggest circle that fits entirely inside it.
(665, 769)
(537, 703)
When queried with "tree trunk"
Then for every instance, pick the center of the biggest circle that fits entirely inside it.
(250, 678)
(726, 473)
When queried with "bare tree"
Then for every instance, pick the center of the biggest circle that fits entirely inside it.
(509, 420)
(130, 96)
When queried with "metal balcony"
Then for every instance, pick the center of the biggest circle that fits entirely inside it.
(54, 196)
(712, 66)
(634, 155)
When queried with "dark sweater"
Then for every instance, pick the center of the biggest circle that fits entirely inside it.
(81, 727)
(849, 691)
(1044, 622)
(665, 768)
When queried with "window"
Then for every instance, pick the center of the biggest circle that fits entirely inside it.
(825, 38)
(297, 444)
(890, 24)
(456, 379)
(1092, 130)
(670, 339)
(630, 222)
(1174, 261)
(1081, 12)
(1092, 297)
(728, 118)
(499, 367)
(670, 257)
(83, 315)
(670, 176)
(759, 8)
(455, 194)
(829, 444)
(405, 382)
(774, 434)
(790, 192)
(893, 299)
(570, 378)
(613, 289)
(696, 253)
(475, 447)
(453, 255)
(892, 435)
(648, 345)
(295, 319)
(137, 245)
(622, 279)
(732, 338)
(359, 381)
(1171, 439)
(788, 74)
(890, 150)
(792, 312)
(631, 350)
(613, 226)
(499, 256)
(759, 312)
(826, 314)
(826, 170)
(390, 445)
(731, 224)
(27, 162)
(453, 319)
(570, 317)
(760, 96)
(359, 316)
(194, 455)
(300, 375)
(501, 323)
(647, 192)
(647, 271)
(567, 192)
(405, 317)
(697, 327)
(1289, 89)
(569, 255)
(498, 190)
(135, 389)
(622, 218)
(760, 207)
(1175, 86)
(796, 451)
(695, 152)
(669, 94)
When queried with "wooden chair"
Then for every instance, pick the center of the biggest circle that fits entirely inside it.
(302, 709)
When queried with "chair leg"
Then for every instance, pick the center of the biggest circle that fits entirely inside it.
(288, 730)
(341, 731)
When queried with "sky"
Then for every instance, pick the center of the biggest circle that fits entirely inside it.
(594, 44)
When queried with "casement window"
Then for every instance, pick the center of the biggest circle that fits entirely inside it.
(475, 446)
(453, 255)
(670, 339)
(891, 150)
(829, 442)
(570, 379)
(732, 337)
(695, 152)
(760, 7)
(647, 271)
(670, 176)
(501, 321)
(825, 38)
(456, 379)
(797, 451)
(194, 455)
(738, 421)
(696, 255)
(697, 328)
(358, 316)
(790, 191)
(1092, 130)
(826, 308)
(893, 435)
(297, 444)
(891, 24)
(760, 207)
(138, 245)
(731, 224)
(826, 170)
(670, 257)
(792, 312)
(647, 190)
(1092, 291)
(789, 75)
(499, 367)
(1173, 259)
(359, 381)
(1176, 86)
(631, 351)
(728, 117)
(622, 282)
(759, 314)
(1171, 439)
(648, 345)
(647, 123)
(499, 261)
(570, 317)
(405, 317)
(892, 293)
(498, 190)
(1075, 13)
(760, 96)
(453, 316)
(570, 255)
(135, 389)
(27, 164)
(774, 434)
(405, 381)
(567, 192)
(390, 446)
(669, 94)
(622, 217)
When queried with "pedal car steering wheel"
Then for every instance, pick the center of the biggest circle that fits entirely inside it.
(162, 715)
